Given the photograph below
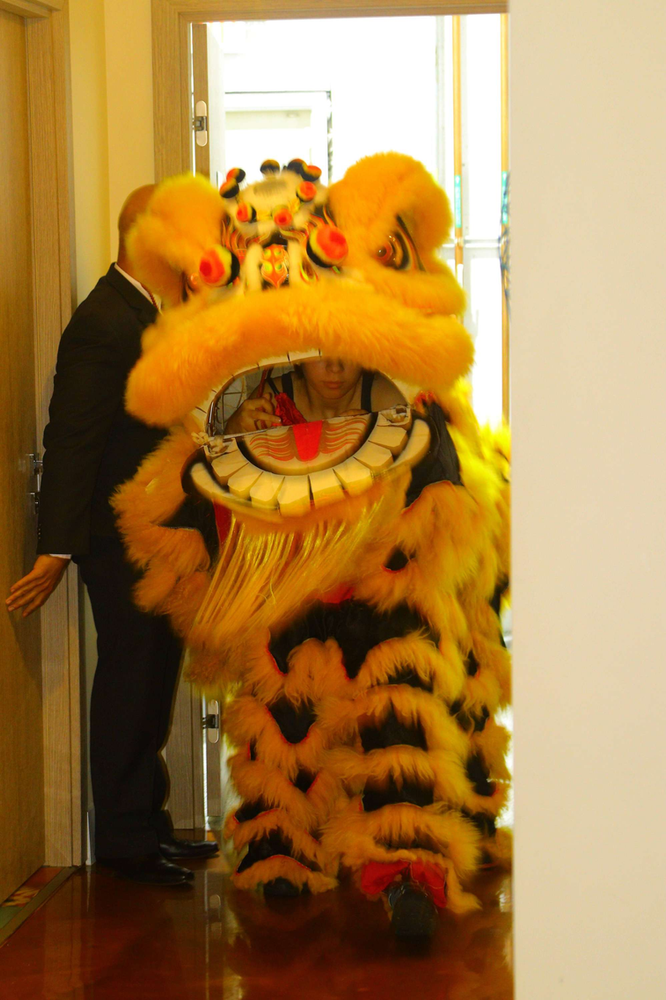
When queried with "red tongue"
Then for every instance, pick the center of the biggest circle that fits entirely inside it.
(307, 438)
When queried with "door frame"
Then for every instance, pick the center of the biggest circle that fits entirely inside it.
(172, 120)
(171, 63)
(49, 132)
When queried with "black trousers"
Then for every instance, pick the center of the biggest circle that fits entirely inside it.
(133, 690)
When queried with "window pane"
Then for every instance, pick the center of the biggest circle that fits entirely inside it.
(482, 189)
(381, 74)
(484, 320)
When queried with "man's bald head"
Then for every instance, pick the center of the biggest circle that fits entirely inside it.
(134, 205)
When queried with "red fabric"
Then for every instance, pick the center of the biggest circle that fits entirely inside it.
(222, 520)
(287, 410)
(378, 876)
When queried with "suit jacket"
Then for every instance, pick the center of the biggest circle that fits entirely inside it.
(91, 444)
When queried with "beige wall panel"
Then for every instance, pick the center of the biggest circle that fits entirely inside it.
(589, 416)
(129, 89)
(90, 146)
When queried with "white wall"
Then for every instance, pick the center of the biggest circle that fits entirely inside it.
(589, 412)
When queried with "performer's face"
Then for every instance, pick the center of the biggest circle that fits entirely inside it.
(332, 378)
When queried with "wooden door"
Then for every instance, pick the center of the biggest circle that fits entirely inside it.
(21, 767)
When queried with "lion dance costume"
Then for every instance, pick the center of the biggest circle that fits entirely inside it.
(337, 583)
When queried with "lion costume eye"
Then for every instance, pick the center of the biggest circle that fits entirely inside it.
(399, 252)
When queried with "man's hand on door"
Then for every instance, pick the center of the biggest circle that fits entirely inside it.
(37, 586)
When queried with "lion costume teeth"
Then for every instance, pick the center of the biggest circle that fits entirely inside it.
(338, 585)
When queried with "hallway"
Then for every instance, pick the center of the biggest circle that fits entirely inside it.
(102, 938)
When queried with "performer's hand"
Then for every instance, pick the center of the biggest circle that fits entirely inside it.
(252, 415)
(37, 586)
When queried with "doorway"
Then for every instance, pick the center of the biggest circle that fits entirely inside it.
(453, 110)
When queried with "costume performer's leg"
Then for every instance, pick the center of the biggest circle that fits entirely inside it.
(420, 681)
(277, 771)
(135, 679)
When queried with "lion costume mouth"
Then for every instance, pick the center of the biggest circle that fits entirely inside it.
(286, 471)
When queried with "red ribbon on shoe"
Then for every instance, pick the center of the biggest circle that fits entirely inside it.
(378, 876)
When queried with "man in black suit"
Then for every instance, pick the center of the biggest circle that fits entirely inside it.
(92, 445)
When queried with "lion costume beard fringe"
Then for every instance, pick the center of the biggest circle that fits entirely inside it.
(358, 647)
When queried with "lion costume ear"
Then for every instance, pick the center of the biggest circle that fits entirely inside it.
(182, 221)
(367, 203)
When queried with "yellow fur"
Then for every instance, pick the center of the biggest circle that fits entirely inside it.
(493, 744)
(358, 837)
(246, 719)
(191, 348)
(181, 221)
(303, 845)
(440, 770)
(255, 780)
(366, 203)
(339, 718)
(266, 575)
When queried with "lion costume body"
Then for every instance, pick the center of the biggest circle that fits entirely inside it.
(338, 584)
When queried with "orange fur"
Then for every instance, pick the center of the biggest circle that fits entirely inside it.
(384, 835)
(192, 349)
(280, 866)
(255, 780)
(247, 720)
(304, 846)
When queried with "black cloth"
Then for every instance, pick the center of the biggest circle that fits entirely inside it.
(130, 710)
(91, 444)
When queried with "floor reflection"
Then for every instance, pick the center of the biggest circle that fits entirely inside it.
(101, 938)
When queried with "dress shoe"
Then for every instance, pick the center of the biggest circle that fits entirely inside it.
(149, 869)
(192, 849)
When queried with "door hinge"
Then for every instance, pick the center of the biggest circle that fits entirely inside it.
(200, 123)
(211, 721)
(36, 469)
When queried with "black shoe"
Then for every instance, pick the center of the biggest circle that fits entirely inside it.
(193, 849)
(414, 913)
(149, 869)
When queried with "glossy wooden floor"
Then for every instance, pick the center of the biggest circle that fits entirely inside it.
(104, 939)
